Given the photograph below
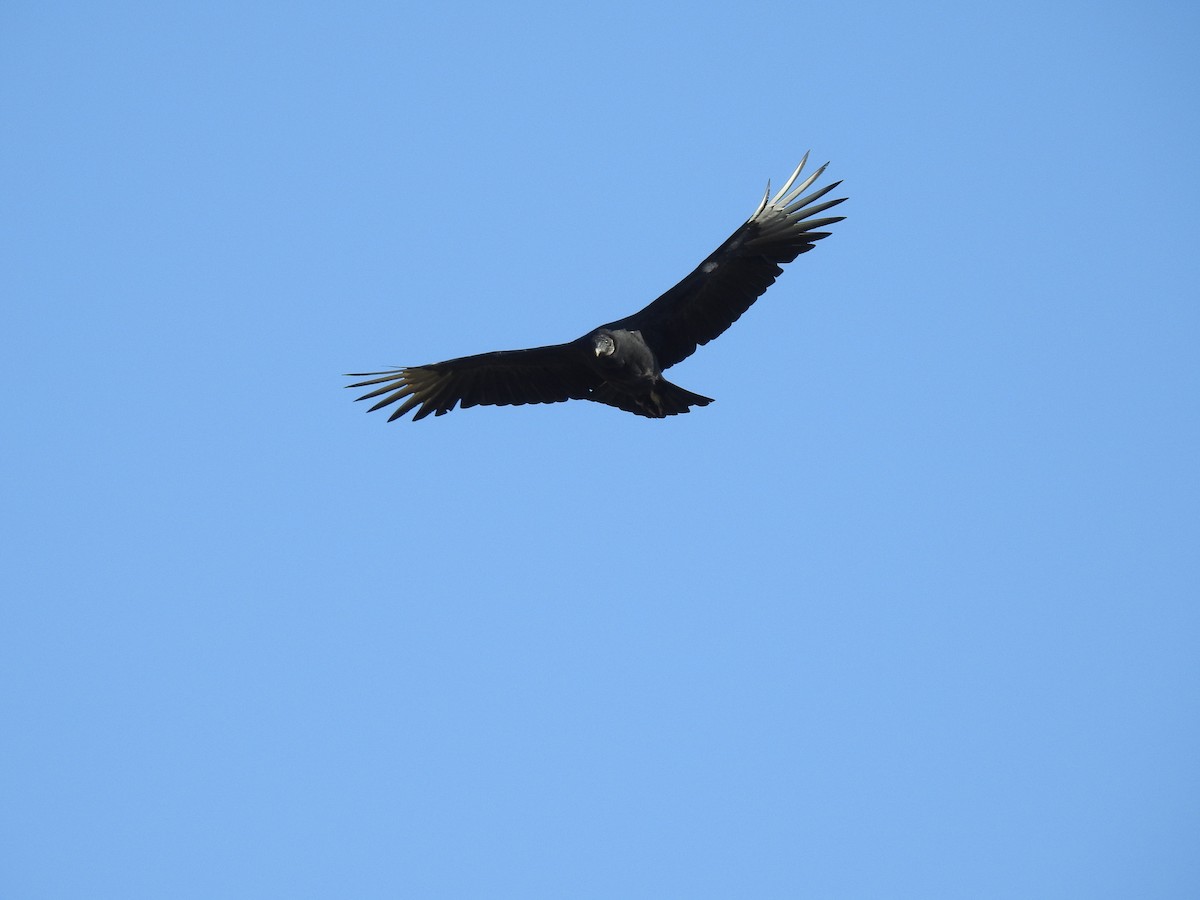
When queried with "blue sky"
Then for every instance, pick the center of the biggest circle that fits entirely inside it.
(910, 611)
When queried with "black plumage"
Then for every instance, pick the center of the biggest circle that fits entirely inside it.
(621, 363)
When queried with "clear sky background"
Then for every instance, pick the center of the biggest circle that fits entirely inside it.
(913, 610)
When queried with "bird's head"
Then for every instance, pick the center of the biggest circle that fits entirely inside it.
(604, 344)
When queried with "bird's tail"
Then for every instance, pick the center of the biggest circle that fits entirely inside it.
(673, 399)
(664, 399)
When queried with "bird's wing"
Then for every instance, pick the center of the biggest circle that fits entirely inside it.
(503, 378)
(737, 273)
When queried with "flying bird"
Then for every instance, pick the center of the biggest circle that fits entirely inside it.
(621, 363)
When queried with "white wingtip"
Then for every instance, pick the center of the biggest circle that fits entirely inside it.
(783, 190)
(763, 204)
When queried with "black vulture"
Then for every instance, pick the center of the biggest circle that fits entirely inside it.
(621, 363)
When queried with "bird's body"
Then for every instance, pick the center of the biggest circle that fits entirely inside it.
(621, 363)
(633, 377)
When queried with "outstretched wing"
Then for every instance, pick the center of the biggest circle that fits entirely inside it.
(503, 378)
(737, 273)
